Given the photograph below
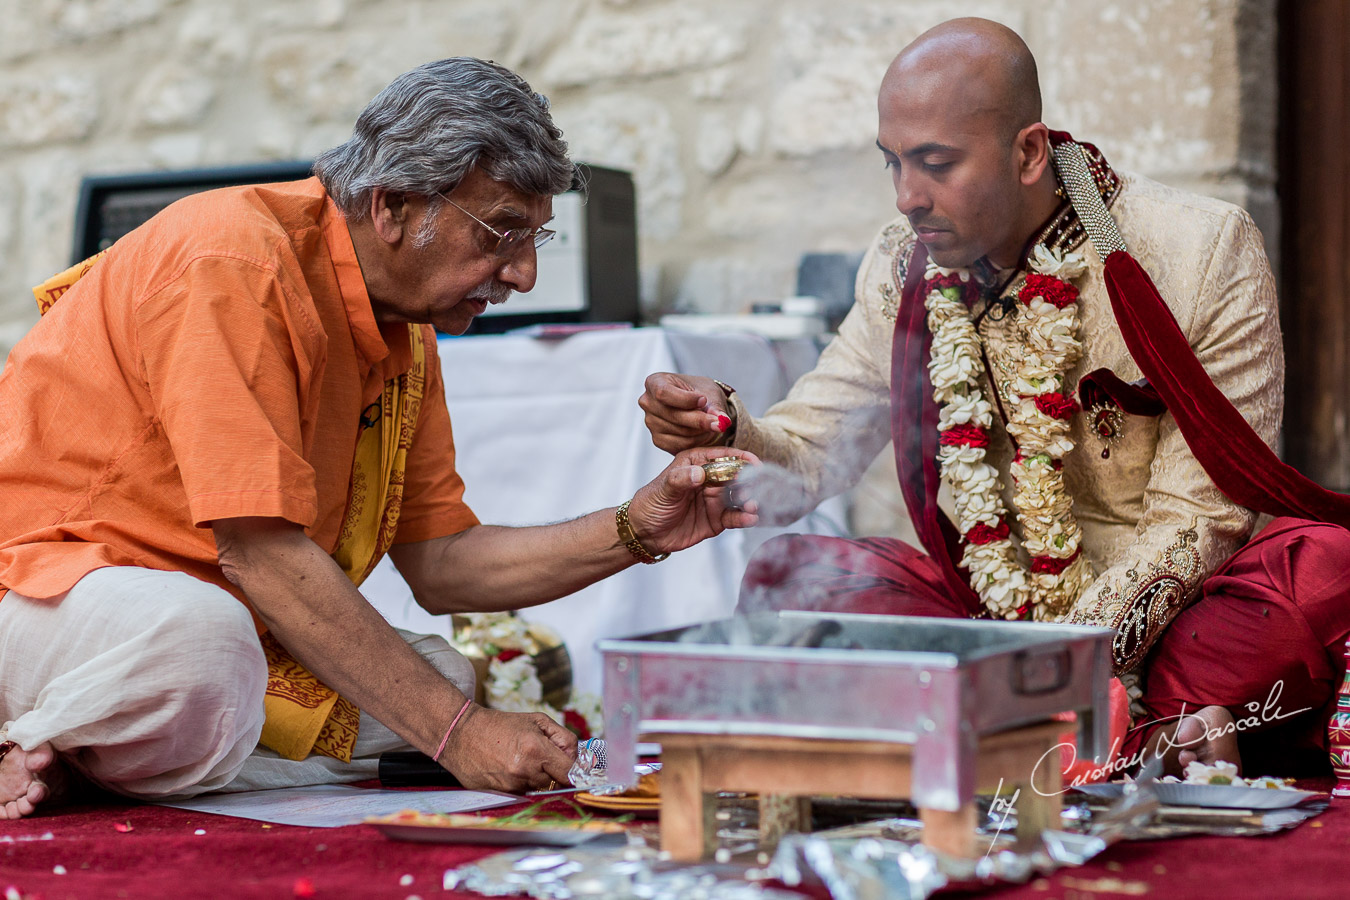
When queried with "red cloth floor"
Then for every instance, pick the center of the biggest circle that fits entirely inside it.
(162, 856)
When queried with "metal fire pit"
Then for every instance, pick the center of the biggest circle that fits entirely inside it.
(936, 685)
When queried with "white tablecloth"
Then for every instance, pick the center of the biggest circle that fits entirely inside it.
(549, 429)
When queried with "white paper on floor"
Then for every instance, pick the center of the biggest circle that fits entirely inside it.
(334, 805)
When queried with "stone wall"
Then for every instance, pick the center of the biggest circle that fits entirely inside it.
(749, 123)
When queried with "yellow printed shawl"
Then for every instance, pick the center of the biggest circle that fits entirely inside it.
(303, 714)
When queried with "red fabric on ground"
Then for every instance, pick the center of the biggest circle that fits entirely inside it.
(162, 858)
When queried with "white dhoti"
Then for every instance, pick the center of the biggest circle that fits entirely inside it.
(151, 684)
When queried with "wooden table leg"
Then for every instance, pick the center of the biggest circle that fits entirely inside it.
(952, 833)
(688, 825)
(780, 814)
(1039, 810)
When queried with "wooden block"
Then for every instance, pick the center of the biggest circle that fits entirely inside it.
(798, 766)
(1038, 806)
(688, 826)
(952, 833)
(781, 814)
(788, 770)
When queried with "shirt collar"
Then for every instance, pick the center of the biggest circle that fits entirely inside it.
(373, 343)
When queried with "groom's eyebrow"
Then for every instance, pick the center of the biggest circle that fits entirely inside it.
(921, 150)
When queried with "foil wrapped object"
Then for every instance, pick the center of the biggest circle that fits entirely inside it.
(615, 873)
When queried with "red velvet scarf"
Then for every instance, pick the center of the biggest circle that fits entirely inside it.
(1244, 468)
(914, 418)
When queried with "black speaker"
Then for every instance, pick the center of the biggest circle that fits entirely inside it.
(112, 205)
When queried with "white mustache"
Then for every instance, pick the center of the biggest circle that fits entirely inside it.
(492, 291)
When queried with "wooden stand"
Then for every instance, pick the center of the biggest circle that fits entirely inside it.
(785, 771)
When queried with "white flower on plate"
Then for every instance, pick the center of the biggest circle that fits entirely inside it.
(1220, 772)
(589, 707)
(513, 686)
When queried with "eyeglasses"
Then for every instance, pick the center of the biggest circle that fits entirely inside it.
(509, 241)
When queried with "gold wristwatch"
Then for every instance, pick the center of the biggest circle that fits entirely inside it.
(630, 539)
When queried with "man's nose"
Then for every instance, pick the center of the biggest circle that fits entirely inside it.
(520, 269)
(910, 197)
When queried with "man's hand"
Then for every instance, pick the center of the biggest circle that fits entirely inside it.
(676, 510)
(684, 411)
(512, 752)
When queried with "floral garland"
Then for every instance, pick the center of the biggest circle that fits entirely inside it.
(1039, 413)
(512, 682)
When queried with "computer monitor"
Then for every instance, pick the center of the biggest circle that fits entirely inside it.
(588, 273)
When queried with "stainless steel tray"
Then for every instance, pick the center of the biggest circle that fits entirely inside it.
(935, 684)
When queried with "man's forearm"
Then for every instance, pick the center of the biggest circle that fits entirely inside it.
(491, 567)
(317, 614)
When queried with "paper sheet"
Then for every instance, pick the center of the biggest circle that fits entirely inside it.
(334, 805)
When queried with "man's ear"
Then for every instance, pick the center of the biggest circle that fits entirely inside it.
(388, 214)
(1033, 149)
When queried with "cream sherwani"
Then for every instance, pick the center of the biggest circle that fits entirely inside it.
(1154, 524)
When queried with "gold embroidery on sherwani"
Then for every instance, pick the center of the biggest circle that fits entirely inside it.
(898, 244)
(1143, 603)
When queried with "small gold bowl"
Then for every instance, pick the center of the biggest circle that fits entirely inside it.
(723, 470)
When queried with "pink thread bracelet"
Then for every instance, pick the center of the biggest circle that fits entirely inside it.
(445, 740)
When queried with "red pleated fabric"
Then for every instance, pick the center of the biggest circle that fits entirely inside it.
(1266, 639)
(872, 575)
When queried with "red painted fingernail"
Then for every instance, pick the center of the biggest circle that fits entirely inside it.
(723, 423)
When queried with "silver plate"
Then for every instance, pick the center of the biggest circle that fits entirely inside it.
(496, 837)
(1214, 796)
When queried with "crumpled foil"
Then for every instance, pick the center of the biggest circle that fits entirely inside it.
(880, 859)
(602, 870)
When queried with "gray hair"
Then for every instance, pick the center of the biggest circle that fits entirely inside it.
(424, 132)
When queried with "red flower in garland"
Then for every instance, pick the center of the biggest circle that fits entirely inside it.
(1057, 292)
(508, 655)
(964, 436)
(986, 534)
(951, 279)
(1052, 565)
(576, 723)
(1057, 406)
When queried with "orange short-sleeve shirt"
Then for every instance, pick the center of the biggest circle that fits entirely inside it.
(213, 365)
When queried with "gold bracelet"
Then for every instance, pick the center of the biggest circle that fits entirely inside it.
(630, 539)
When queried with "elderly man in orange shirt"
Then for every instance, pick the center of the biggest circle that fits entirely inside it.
(241, 401)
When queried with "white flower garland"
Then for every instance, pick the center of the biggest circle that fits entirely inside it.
(1050, 533)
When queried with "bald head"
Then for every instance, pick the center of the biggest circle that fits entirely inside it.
(959, 125)
(975, 68)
